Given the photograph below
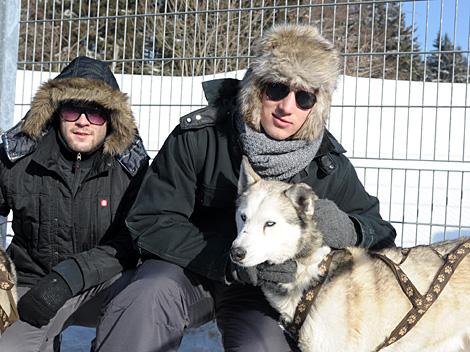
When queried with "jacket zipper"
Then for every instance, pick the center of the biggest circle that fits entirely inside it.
(76, 164)
(76, 172)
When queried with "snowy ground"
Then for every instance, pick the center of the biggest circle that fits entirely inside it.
(205, 339)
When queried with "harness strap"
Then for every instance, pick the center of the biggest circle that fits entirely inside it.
(421, 303)
(406, 285)
(306, 301)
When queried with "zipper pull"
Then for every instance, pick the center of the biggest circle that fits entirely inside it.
(76, 164)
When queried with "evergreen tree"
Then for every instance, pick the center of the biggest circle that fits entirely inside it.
(446, 63)
(201, 37)
(384, 45)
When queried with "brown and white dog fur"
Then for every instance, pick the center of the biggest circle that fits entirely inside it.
(361, 303)
(6, 265)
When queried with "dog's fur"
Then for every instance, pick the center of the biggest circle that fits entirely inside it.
(359, 304)
(9, 267)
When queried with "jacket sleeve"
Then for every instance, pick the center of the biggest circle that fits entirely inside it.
(363, 209)
(4, 208)
(113, 255)
(160, 218)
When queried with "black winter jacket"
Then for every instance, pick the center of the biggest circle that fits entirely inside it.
(185, 210)
(71, 223)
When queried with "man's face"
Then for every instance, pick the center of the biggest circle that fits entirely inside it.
(81, 135)
(281, 116)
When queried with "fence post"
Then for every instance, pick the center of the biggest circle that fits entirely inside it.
(9, 36)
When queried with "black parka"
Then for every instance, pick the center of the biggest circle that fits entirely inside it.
(185, 209)
(75, 229)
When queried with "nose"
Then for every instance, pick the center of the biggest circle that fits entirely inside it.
(82, 120)
(288, 103)
(237, 254)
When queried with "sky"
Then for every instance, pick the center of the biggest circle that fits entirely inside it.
(430, 15)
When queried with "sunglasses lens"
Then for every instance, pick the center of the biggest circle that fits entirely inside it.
(69, 115)
(276, 91)
(305, 100)
(96, 118)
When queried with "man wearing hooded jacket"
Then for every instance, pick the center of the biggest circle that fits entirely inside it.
(69, 172)
(184, 218)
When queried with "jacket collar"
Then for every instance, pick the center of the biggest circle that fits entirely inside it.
(218, 90)
(329, 144)
(49, 152)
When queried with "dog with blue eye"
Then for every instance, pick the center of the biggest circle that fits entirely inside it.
(352, 299)
(8, 297)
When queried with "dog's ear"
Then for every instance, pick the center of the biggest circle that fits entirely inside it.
(248, 176)
(303, 198)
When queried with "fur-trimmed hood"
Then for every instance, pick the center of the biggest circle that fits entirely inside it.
(298, 56)
(87, 80)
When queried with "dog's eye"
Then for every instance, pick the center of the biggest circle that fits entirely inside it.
(269, 223)
(243, 217)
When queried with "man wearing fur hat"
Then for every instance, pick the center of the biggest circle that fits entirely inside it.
(184, 217)
(69, 172)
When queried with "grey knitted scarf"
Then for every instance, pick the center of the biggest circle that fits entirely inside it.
(275, 159)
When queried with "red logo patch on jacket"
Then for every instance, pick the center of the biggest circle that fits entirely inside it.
(103, 203)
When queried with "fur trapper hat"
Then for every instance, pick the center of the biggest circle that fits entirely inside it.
(89, 81)
(298, 56)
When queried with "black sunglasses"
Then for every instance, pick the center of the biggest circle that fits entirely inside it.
(278, 91)
(72, 114)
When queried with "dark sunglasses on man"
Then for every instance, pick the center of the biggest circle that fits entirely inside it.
(93, 115)
(278, 91)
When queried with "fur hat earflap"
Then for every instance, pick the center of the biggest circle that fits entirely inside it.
(300, 57)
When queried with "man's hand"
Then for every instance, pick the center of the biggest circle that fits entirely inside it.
(335, 225)
(40, 304)
(266, 275)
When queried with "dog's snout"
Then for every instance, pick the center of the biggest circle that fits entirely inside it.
(237, 254)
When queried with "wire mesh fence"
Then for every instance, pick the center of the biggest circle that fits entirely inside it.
(400, 108)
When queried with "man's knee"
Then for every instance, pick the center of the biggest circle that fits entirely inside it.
(156, 285)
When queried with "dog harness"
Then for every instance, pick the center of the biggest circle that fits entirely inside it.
(6, 284)
(420, 303)
(307, 299)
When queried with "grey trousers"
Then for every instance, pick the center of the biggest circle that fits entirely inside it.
(162, 300)
(83, 309)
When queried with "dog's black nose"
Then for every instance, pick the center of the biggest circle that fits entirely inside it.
(237, 254)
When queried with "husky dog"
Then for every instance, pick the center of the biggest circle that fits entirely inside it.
(8, 297)
(360, 302)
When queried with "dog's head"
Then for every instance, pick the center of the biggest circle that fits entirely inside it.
(274, 220)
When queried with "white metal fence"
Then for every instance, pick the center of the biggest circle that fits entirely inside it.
(400, 108)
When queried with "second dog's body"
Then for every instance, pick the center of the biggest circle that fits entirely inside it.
(361, 301)
(8, 297)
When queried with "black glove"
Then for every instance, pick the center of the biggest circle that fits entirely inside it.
(39, 305)
(335, 225)
(266, 275)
